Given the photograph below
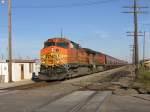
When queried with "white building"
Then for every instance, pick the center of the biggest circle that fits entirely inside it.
(147, 64)
(21, 69)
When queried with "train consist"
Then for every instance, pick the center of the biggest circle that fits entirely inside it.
(62, 58)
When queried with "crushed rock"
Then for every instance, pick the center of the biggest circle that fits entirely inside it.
(125, 92)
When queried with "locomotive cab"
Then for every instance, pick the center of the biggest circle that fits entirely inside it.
(55, 52)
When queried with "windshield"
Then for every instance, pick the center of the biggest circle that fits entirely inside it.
(48, 44)
(60, 44)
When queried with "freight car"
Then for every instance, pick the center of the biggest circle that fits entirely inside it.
(62, 58)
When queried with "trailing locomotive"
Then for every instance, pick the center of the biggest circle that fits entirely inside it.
(62, 58)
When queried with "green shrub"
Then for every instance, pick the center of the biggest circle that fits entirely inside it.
(146, 75)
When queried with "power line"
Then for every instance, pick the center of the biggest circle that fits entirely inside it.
(135, 11)
(87, 3)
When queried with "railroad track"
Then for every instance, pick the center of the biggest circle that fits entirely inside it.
(32, 86)
(93, 103)
(112, 77)
(79, 106)
(78, 101)
(44, 84)
(17, 89)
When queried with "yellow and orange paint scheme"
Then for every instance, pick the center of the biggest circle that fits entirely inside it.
(55, 55)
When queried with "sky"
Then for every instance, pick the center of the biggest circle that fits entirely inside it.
(96, 24)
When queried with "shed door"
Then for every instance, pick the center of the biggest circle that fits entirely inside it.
(22, 71)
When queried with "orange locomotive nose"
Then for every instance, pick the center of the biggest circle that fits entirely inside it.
(47, 56)
(53, 56)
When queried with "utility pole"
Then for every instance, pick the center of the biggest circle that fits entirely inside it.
(143, 51)
(144, 46)
(10, 40)
(133, 51)
(135, 11)
(136, 39)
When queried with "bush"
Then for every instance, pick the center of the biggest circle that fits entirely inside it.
(146, 75)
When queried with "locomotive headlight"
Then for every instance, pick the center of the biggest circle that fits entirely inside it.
(52, 49)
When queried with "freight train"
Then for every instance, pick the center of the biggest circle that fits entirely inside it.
(62, 58)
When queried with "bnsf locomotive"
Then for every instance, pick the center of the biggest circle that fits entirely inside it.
(62, 58)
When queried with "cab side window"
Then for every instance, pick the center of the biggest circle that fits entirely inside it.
(75, 46)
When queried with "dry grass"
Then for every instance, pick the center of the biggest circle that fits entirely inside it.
(144, 80)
